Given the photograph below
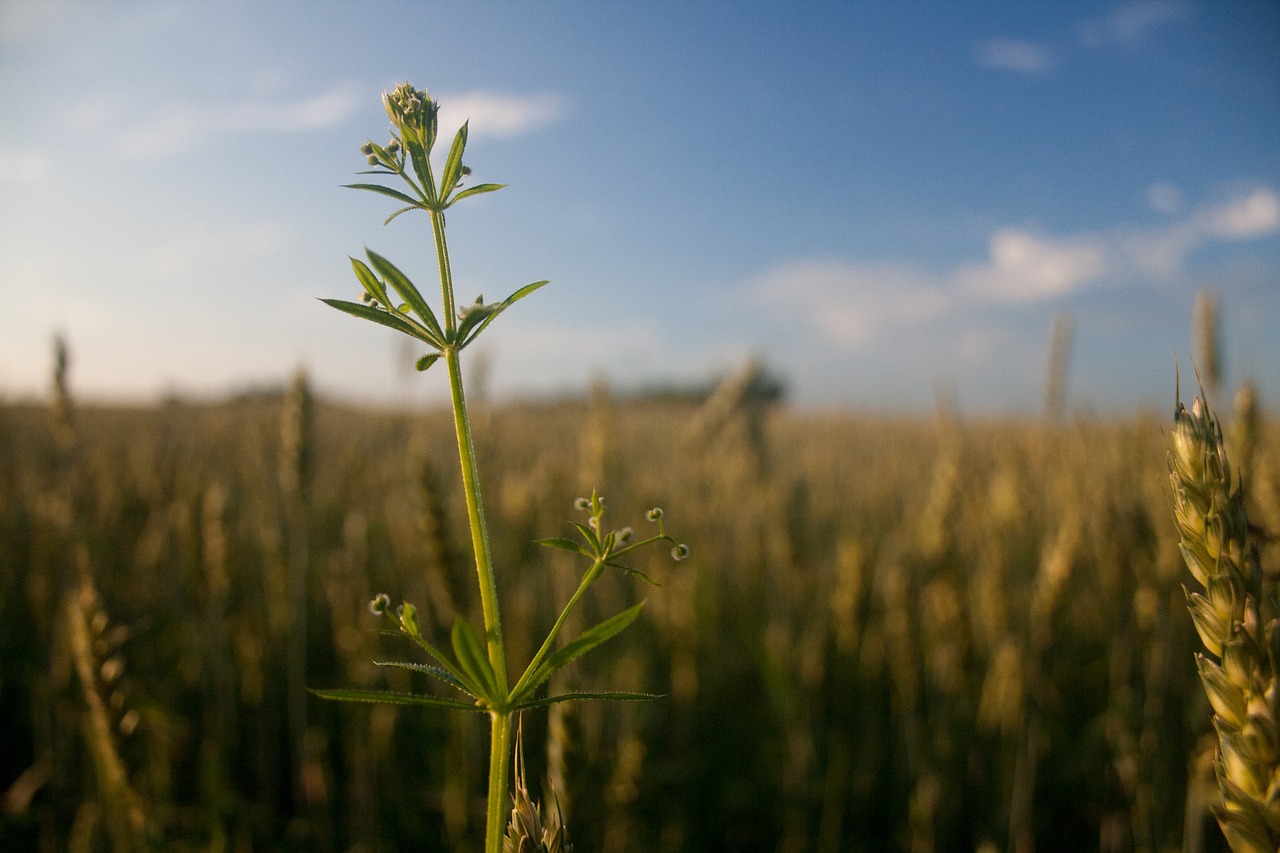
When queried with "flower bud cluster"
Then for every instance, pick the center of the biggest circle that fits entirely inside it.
(413, 114)
(389, 156)
(1236, 619)
(624, 538)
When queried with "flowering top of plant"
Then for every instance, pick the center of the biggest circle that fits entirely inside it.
(414, 125)
(413, 113)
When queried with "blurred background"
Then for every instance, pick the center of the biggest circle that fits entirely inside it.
(881, 302)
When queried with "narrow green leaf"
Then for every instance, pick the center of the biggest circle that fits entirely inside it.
(370, 281)
(408, 292)
(387, 191)
(523, 292)
(473, 316)
(383, 318)
(436, 654)
(402, 210)
(476, 190)
(588, 640)
(453, 165)
(606, 696)
(422, 167)
(474, 662)
(427, 360)
(437, 672)
(590, 535)
(630, 571)
(500, 307)
(563, 545)
(387, 697)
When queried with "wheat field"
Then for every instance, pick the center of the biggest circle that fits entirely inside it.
(895, 632)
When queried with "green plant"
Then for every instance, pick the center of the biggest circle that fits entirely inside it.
(1236, 618)
(477, 667)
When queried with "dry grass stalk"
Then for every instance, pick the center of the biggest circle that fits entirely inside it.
(1236, 619)
(1207, 340)
(1244, 431)
(1055, 388)
(64, 431)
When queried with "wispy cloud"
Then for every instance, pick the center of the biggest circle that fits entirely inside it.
(1162, 252)
(855, 304)
(500, 115)
(25, 166)
(1164, 197)
(24, 19)
(851, 302)
(1025, 267)
(1015, 55)
(180, 126)
(201, 248)
(1127, 24)
(1242, 218)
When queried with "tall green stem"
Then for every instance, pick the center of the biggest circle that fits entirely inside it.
(475, 515)
(446, 274)
(500, 729)
(499, 770)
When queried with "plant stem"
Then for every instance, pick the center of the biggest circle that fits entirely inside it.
(475, 515)
(499, 769)
(594, 572)
(470, 474)
(446, 276)
(500, 728)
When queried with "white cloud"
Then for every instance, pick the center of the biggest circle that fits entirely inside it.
(1024, 267)
(179, 126)
(1254, 215)
(500, 115)
(1015, 55)
(1161, 252)
(1127, 24)
(1164, 198)
(855, 305)
(24, 166)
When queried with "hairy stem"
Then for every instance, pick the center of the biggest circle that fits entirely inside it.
(500, 730)
(446, 277)
(499, 769)
(479, 530)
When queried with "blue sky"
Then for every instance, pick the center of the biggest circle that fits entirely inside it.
(878, 199)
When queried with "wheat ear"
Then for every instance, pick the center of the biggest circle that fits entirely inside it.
(1236, 619)
(533, 829)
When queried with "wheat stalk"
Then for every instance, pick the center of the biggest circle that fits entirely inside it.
(1207, 339)
(1235, 618)
(85, 624)
(1055, 388)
